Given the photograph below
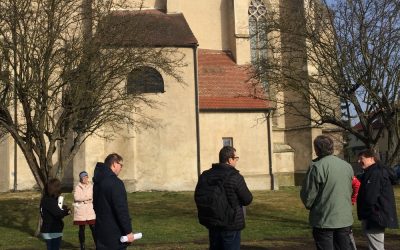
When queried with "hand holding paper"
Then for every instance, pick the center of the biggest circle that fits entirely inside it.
(136, 236)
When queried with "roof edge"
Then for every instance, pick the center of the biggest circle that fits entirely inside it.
(235, 110)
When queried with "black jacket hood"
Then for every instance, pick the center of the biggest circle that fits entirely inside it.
(101, 172)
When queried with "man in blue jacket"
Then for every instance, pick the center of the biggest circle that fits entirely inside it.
(111, 205)
(376, 205)
(326, 192)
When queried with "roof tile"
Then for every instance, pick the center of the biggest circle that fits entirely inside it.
(225, 85)
(145, 28)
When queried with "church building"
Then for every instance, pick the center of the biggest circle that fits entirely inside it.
(217, 104)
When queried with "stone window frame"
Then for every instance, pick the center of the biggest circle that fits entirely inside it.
(257, 14)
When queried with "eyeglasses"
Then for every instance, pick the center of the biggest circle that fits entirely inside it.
(235, 157)
(120, 164)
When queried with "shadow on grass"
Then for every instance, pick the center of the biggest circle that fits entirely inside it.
(64, 245)
(282, 219)
(23, 215)
(244, 247)
(19, 214)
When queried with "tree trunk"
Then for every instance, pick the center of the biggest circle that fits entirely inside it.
(39, 220)
(38, 225)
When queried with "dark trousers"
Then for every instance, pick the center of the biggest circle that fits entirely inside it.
(224, 240)
(53, 244)
(81, 235)
(332, 238)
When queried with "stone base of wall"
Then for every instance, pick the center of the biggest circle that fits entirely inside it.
(258, 181)
(289, 179)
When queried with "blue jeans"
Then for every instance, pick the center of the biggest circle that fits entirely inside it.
(53, 244)
(224, 240)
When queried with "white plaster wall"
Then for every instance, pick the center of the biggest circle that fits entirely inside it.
(147, 4)
(208, 20)
(217, 24)
(5, 165)
(250, 139)
(159, 158)
(284, 162)
(25, 179)
(166, 156)
(91, 152)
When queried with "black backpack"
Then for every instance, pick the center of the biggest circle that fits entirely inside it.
(213, 207)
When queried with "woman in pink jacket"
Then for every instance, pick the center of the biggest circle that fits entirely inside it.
(83, 207)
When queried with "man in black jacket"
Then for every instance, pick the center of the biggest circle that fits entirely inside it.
(376, 207)
(238, 195)
(111, 205)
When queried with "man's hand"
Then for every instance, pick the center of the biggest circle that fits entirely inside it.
(130, 237)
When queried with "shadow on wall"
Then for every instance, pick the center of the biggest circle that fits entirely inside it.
(161, 5)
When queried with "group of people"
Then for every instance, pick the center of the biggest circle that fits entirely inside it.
(102, 206)
(328, 189)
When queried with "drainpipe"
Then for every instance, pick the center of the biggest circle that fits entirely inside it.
(270, 150)
(196, 98)
(15, 159)
(16, 125)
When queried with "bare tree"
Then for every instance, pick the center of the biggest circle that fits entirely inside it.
(330, 59)
(61, 80)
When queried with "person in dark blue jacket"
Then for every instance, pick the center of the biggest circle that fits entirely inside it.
(110, 205)
(376, 205)
(52, 215)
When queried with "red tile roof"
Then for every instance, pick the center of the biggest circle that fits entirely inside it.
(377, 124)
(224, 85)
(145, 28)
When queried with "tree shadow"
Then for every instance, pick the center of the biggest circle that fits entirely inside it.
(23, 215)
(244, 247)
(19, 215)
(65, 245)
(280, 243)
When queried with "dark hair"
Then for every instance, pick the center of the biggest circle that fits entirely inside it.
(225, 153)
(111, 158)
(323, 145)
(53, 187)
(368, 153)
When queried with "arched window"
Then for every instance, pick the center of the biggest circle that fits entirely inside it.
(145, 80)
(257, 30)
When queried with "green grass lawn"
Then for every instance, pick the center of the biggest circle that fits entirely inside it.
(168, 220)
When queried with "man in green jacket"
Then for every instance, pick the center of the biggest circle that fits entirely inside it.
(326, 192)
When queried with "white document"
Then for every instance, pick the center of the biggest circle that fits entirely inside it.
(60, 201)
(136, 236)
